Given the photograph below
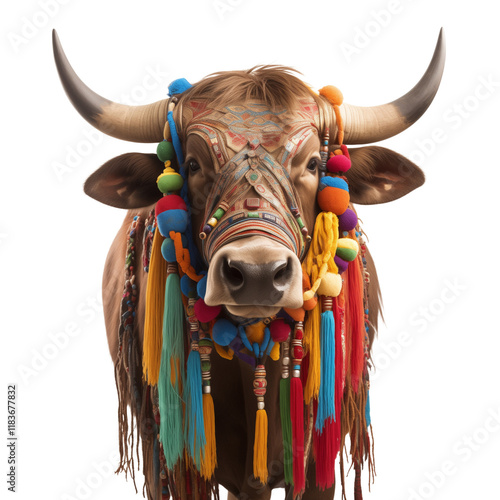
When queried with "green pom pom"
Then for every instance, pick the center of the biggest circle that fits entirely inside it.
(169, 182)
(165, 151)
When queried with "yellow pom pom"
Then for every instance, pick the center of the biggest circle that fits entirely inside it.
(333, 94)
(330, 286)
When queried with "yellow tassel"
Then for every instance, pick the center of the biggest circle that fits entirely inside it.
(312, 343)
(209, 459)
(260, 447)
(153, 323)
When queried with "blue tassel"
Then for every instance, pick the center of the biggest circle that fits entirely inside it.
(172, 362)
(368, 418)
(195, 428)
(326, 397)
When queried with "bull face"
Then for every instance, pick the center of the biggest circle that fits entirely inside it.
(266, 164)
(272, 131)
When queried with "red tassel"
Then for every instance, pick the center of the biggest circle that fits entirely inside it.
(324, 446)
(297, 418)
(356, 320)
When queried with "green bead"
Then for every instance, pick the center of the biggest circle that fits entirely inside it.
(165, 151)
(205, 342)
(299, 221)
(205, 366)
(254, 215)
(170, 182)
(219, 213)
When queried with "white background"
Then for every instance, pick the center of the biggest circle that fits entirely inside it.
(429, 395)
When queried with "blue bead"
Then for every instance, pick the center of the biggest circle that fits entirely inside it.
(202, 287)
(188, 287)
(224, 332)
(168, 250)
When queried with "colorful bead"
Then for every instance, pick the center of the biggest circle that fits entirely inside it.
(333, 195)
(224, 332)
(169, 181)
(331, 285)
(348, 220)
(280, 330)
(338, 163)
(347, 249)
(165, 151)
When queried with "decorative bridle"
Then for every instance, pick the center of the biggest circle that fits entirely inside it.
(253, 195)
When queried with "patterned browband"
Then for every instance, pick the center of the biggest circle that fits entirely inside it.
(253, 195)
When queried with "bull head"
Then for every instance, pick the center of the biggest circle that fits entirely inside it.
(275, 131)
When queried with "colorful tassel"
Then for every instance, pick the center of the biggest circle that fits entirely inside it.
(170, 383)
(195, 427)
(326, 399)
(209, 458)
(356, 322)
(155, 295)
(260, 442)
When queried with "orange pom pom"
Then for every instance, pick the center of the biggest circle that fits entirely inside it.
(333, 94)
(332, 199)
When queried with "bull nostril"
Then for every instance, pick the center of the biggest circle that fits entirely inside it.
(282, 274)
(232, 275)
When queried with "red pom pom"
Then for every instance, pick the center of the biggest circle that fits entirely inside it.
(338, 163)
(332, 199)
(205, 313)
(170, 202)
(279, 330)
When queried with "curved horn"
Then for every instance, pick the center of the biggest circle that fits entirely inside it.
(130, 123)
(363, 125)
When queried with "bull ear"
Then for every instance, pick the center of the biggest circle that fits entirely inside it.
(127, 181)
(379, 175)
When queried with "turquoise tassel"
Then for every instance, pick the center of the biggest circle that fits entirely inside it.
(368, 417)
(172, 355)
(195, 428)
(326, 397)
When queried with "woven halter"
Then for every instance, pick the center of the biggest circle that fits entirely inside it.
(253, 195)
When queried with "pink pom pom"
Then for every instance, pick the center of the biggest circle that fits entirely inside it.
(279, 330)
(338, 163)
(205, 313)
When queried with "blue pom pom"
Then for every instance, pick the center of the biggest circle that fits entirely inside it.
(188, 287)
(224, 332)
(202, 287)
(172, 220)
(178, 86)
(336, 182)
(168, 250)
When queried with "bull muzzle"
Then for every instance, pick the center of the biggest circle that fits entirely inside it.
(254, 277)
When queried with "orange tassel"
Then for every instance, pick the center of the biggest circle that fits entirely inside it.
(153, 323)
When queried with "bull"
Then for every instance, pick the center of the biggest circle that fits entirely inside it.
(229, 123)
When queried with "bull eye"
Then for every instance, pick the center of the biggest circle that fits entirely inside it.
(193, 166)
(313, 164)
